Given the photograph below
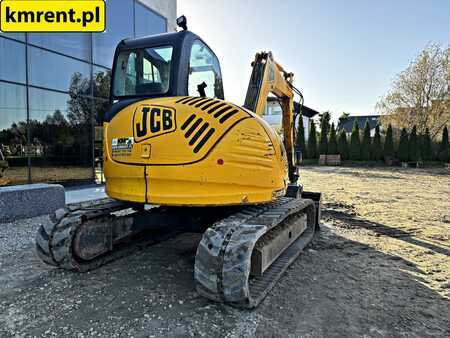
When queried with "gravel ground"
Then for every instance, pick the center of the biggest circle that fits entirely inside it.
(379, 267)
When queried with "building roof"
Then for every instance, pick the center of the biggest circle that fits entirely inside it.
(306, 111)
(361, 120)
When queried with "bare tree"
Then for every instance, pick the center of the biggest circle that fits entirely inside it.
(420, 94)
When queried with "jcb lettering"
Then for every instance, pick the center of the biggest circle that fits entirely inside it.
(141, 129)
(153, 121)
(167, 119)
(155, 124)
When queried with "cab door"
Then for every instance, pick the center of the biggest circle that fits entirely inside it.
(204, 72)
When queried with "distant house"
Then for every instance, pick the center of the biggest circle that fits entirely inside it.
(272, 114)
(374, 120)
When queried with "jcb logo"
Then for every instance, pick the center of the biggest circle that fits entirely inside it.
(151, 121)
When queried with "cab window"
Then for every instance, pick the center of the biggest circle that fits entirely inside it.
(143, 71)
(204, 67)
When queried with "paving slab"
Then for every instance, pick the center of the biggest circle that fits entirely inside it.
(30, 200)
(83, 194)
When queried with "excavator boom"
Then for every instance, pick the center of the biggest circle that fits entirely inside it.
(269, 77)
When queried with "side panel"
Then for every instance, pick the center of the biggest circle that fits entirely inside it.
(243, 168)
(123, 182)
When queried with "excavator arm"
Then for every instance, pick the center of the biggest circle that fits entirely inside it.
(269, 77)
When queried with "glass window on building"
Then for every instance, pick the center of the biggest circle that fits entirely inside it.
(100, 106)
(102, 80)
(12, 60)
(53, 71)
(73, 44)
(13, 134)
(204, 67)
(119, 20)
(61, 141)
(148, 22)
(56, 135)
(17, 36)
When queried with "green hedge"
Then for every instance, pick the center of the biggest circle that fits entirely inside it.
(411, 147)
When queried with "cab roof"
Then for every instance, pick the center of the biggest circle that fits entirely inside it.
(174, 39)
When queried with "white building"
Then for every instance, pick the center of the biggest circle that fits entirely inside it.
(272, 115)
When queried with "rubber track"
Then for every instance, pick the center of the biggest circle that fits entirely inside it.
(54, 239)
(222, 264)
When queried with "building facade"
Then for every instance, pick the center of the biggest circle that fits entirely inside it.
(54, 90)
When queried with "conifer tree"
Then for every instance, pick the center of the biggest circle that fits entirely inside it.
(332, 143)
(377, 148)
(312, 141)
(426, 150)
(403, 146)
(444, 147)
(389, 151)
(366, 143)
(444, 140)
(413, 146)
(355, 143)
(323, 143)
(343, 145)
(301, 144)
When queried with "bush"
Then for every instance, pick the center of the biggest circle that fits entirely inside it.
(366, 144)
(403, 146)
(312, 142)
(377, 149)
(389, 151)
(332, 144)
(343, 148)
(355, 145)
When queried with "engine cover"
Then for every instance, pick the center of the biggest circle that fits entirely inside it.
(192, 151)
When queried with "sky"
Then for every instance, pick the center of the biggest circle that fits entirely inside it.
(344, 54)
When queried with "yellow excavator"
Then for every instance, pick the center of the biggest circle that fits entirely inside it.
(177, 157)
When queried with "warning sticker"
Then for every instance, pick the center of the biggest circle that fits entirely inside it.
(122, 146)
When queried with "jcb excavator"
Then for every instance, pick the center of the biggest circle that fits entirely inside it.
(203, 164)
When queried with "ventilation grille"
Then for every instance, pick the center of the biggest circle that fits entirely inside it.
(197, 132)
(218, 109)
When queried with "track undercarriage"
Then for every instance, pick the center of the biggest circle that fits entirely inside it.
(242, 254)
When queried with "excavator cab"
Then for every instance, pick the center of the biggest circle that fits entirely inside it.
(166, 65)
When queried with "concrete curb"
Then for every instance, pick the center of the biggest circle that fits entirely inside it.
(25, 201)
